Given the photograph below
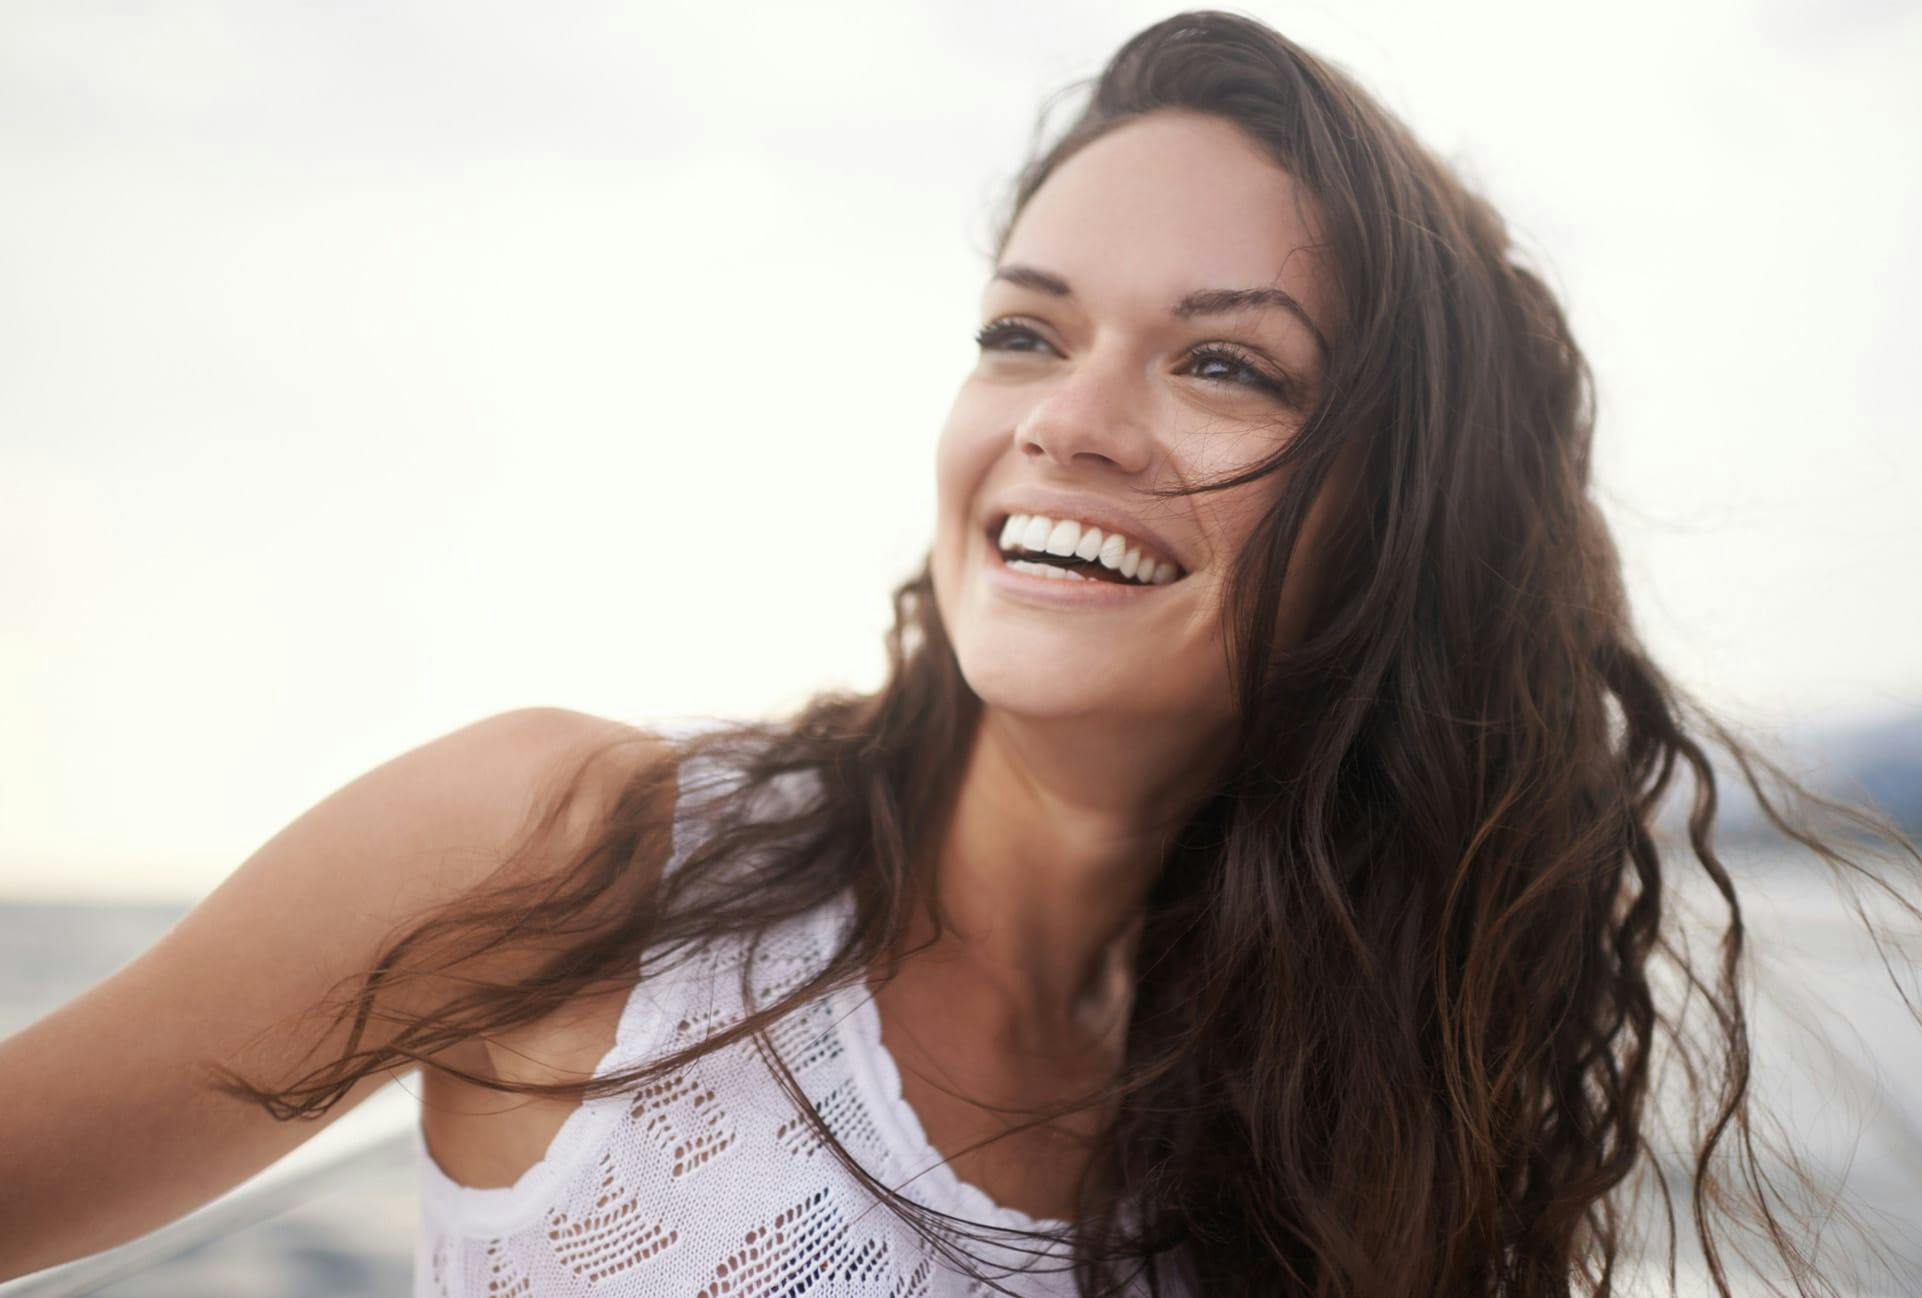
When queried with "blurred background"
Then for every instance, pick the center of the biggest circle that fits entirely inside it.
(376, 367)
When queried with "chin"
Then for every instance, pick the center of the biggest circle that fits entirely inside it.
(1017, 684)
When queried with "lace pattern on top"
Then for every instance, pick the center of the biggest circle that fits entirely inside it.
(711, 1183)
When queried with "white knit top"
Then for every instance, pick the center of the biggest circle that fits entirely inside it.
(712, 1183)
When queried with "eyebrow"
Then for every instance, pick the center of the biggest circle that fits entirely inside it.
(1207, 301)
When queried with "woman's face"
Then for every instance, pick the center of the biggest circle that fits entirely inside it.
(1133, 339)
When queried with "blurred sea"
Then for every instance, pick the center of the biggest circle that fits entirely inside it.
(1837, 1058)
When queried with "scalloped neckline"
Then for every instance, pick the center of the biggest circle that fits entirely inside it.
(927, 1164)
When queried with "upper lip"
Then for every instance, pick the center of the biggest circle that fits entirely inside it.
(1085, 509)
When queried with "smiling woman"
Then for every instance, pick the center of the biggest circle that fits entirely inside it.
(1152, 321)
(1245, 882)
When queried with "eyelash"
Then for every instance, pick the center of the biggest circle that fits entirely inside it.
(996, 332)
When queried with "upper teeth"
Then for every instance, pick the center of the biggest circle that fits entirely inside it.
(1040, 534)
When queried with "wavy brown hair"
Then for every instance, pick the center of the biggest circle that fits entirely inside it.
(1399, 990)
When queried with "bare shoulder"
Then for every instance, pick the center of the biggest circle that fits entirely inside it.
(496, 772)
(525, 794)
(233, 983)
(433, 824)
(476, 1135)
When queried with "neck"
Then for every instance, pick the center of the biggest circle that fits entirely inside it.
(1058, 832)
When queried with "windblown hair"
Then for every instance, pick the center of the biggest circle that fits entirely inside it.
(1401, 986)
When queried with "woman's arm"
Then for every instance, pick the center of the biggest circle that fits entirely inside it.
(107, 1126)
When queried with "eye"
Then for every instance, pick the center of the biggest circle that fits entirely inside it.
(996, 334)
(1003, 334)
(1257, 377)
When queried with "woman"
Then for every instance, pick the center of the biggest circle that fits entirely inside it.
(1248, 860)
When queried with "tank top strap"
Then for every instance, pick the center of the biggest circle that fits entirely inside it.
(700, 783)
(663, 1010)
(704, 780)
(697, 991)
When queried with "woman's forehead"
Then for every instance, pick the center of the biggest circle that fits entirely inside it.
(1168, 204)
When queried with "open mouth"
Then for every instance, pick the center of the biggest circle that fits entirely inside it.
(1069, 550)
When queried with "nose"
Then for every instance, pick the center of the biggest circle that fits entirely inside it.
(1092, 413)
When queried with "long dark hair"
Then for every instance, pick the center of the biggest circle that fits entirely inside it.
(1397, 1002)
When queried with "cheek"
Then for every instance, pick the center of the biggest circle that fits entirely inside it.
(950, 470)
(960, 466)
(1239, 515)
(964, 453)
(1229, 518)
(1230, 521)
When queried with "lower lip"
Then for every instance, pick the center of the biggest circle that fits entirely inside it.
(1064, 592)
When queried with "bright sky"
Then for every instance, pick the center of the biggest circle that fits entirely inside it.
(372, 368)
